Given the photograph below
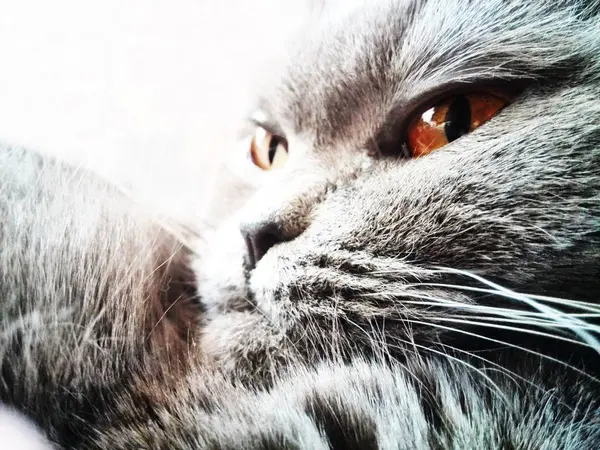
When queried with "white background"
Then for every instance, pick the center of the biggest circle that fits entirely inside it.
(137, 89)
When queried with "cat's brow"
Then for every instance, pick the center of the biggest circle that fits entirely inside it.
(389, 57)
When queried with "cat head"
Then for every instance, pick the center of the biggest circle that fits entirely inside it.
(420, 174)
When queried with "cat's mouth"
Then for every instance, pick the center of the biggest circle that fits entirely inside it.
(307, 304)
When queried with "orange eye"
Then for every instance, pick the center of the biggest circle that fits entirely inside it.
(450, 119)
(267, 150)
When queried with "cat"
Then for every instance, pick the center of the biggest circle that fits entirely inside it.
(403, 253)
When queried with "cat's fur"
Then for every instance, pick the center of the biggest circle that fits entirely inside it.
(389, 313)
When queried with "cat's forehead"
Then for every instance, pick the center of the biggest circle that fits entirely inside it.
(347, 75)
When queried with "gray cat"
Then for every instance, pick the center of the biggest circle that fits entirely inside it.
(407, 259)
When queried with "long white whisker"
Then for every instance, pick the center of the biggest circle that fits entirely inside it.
(507, 344)
(483, 323)
(558, 316)
(493, 310)
(533, 322)
(436, 301)
(506, 316)
(565, 302)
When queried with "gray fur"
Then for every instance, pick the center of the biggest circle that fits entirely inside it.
(445, 302)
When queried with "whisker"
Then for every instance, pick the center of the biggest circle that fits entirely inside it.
(536, 322)
(503, 343)
(168, 260)
(440, 302)
(558, 316)
(483, 323)
(586, 306)
(436, 301)
(465, 363)
(565, 302)
(164, 314)
(370, 336)
(415, 351)
(495, 366)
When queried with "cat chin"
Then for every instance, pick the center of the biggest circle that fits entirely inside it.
(247, 318)
(247, 346)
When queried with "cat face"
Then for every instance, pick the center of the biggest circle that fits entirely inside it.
(354, 244)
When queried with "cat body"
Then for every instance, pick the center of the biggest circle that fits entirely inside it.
(356, 297)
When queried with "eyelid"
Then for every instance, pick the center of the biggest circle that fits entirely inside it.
(269, 125)
(257, 118)
(428, 98)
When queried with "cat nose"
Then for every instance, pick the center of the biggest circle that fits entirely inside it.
(260, 237)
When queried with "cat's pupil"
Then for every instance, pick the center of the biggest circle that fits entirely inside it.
(458, 118)
(273, 149)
